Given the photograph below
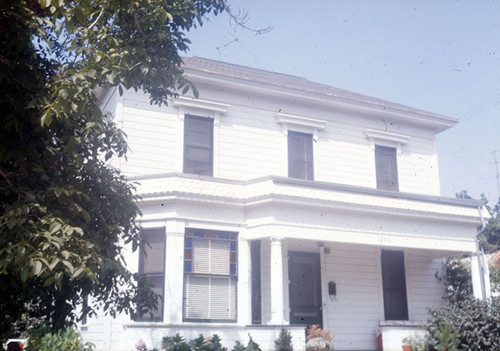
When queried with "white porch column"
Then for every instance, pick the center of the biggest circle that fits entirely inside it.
(174, 272)
(277, 283)
(481, 288)
(244, 283)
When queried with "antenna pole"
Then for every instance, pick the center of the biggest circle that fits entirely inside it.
(498, 173)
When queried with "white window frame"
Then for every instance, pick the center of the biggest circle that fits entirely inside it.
(301, 124)
(199, 108)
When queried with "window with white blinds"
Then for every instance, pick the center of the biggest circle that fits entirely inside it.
(152, 265)
(210, 266)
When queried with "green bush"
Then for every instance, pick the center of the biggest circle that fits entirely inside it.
(284, 341)
(469, 324)
(66, 339)
(175, 343)
(457, 279)
(251, 346)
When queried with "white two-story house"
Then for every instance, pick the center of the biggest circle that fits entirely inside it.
(271, 200)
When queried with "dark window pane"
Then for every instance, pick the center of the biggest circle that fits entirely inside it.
(256, 287)
(394, 285)
(386, 168)
(198, 145)
(152, 266)
(300, 155)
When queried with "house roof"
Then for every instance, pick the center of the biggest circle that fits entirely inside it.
(280, 80)
(494, 260)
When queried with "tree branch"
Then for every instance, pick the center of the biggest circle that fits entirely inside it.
(6, 177)
(139, 25)
(241, 18)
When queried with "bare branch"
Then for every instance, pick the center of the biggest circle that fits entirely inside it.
(97, 19)
(241, 18)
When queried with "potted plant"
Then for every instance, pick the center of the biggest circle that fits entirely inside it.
(407, 344)
(319, 339)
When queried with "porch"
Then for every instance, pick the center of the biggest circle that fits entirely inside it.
(307, 252)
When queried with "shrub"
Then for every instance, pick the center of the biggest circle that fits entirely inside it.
(495, 279)
(469, 324)
(284, 341)
(457, 279)
(214, 344)
(251, 346)
(175, 343)
(66, 339)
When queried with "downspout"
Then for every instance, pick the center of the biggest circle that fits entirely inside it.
(480, 255)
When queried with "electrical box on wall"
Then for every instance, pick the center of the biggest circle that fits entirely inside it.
(332, 288)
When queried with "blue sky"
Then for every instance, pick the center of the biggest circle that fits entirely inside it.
(442, 56)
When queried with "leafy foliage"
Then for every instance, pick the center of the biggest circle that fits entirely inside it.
(418, 342)
(62, 340)
(457, 279)
(315, 331)
(176, 343)
(64, 211)
(446, 337)
(284, 341)
(251, 346)
(495, 279)
(210, 344)
(468, 324)
(489, 238)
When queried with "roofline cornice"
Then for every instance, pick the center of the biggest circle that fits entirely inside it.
(436, 122)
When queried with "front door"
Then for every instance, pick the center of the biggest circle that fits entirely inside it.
(305, 288)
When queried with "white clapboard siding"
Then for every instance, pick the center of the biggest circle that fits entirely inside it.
(355, 311)
(250, 143)
(424, 289)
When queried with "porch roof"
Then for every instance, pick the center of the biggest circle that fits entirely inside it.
(283, 190)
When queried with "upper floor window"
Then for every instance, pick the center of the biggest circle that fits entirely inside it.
(152, 266)
(198, 145)
(386, 168)
(210, 272)
(300, 155)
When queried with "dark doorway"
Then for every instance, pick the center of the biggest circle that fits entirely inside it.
(305, 288)
(394, 284)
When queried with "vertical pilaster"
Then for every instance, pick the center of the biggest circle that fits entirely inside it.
(277, 283)
(174, 272)
(244, 283)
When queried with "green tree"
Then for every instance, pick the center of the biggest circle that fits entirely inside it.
(65, 213)
(489, 238)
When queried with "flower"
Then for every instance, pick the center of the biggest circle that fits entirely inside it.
(140, 345)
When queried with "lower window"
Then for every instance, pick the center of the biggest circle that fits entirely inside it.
(152, 267)
(210, 275)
